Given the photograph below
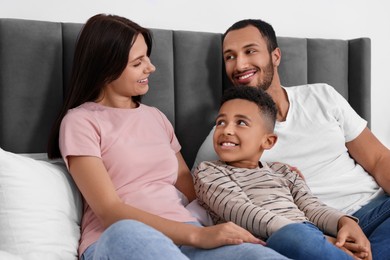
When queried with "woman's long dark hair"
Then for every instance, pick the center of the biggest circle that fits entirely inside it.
(101, 55)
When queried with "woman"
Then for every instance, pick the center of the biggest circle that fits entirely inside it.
(125, 158)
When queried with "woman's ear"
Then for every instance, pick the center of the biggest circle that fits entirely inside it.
(269, 141)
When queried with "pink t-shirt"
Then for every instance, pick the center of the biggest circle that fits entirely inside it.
(138, 148)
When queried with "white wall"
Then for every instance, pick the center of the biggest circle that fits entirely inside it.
(343, 19)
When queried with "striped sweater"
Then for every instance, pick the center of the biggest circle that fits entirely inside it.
(261, 200)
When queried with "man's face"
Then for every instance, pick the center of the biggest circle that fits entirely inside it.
(247, 60)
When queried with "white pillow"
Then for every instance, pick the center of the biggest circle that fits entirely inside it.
(8, 256)
(40, 209)
(200, 213)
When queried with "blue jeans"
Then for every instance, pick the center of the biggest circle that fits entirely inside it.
(374, 219)
(129, 239)
(304, 241)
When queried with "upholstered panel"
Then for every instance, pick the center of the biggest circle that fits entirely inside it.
(344, 64)
(328, 62)
(161, 85)
(314, 61)
(70, 32)
(293, 66)
(30, 82)
(36, 58)
(359, 76)
(198, 86)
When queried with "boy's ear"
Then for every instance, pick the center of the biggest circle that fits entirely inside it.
(269, 141)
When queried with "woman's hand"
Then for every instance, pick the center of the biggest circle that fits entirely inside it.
(104, 201)
(223, 234)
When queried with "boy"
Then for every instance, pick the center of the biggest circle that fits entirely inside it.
(268, 199)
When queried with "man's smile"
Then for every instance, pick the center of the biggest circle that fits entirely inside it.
(244, 77)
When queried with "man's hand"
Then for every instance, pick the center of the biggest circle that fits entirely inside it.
(296, 170)
(351, 236)
(357, 251)
(351, 239)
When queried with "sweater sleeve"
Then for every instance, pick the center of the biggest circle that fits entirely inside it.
(226, 201)
(324, 217)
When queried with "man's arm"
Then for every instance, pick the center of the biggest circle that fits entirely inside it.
(373, 156)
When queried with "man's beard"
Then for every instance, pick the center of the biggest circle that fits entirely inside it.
(268, 72)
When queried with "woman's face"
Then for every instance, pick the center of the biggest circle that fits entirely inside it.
(134, 79)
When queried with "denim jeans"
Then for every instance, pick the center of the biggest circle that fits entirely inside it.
(129, 239)
(374, 219)
(304, 241)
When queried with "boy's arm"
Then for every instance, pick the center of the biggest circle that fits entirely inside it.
(324, 217)
(348, 235)
(222, 196)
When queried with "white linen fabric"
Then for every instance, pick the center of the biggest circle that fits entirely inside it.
(40, 209)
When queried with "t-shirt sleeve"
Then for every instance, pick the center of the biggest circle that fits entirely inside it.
(351, 123)
(79, 135)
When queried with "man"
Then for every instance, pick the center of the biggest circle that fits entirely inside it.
(343, 163)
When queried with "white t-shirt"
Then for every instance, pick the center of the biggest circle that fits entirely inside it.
(318, 124)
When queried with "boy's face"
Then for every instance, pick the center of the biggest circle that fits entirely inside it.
(241, 135)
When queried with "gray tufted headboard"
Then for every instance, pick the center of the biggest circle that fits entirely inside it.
(36, 57)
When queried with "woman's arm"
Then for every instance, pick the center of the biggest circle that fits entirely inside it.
(96, 186)
(373, 156)
(184, 181)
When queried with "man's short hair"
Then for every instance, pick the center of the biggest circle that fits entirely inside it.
(265, 29)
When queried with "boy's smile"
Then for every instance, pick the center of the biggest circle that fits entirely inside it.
(240, 133)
